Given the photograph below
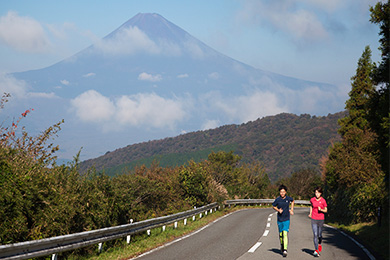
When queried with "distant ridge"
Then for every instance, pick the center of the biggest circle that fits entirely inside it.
(283, 143)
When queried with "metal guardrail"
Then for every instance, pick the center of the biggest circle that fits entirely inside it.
(259, 201)
(48, 246)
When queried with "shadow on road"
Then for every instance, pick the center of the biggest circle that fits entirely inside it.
(276, 251)
(308, 251)
(336, 239)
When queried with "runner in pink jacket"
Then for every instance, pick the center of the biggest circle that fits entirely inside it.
(317, 209)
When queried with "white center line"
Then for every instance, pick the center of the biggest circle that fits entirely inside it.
(253, 248)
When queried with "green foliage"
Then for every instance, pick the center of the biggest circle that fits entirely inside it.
(379, 106)
(362, 90)
(380, 14)
(355, 182)
(223, 166)
(194, 184)
(284, 143)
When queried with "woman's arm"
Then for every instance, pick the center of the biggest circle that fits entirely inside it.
(324, 210)
(311, 210)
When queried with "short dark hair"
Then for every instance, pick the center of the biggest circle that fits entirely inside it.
(319, 190)
(282, 187)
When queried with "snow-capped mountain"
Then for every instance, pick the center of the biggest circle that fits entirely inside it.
(150, 79)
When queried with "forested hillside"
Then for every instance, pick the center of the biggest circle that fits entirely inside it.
(284, 143)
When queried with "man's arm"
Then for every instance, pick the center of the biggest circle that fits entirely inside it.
(292, 207)
(278, 210)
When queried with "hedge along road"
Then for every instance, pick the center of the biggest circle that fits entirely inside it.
(253, 234)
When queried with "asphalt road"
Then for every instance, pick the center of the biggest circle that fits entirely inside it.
(252, 234)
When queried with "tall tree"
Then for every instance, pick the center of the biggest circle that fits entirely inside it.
(379, 111)
(362, 90)
(353, 175)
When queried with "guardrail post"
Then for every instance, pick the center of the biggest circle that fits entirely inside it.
(128, 239)
(200, 215)
(205, 213)
(193, 218)
(148, 232)
(175, 225)
(53, 257)
(163, 228)
(185, 222)
(100, 246)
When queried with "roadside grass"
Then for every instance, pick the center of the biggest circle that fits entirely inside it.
(373, 237)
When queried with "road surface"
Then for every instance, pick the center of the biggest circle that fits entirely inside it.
(251, 234)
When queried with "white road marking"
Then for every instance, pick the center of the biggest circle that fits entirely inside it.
(268, 225)
(253, 248)
(266, 233)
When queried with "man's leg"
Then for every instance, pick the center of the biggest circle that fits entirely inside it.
(285, 240)
(280, 228)
(281, 241)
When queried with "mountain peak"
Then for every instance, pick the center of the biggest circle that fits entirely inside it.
(154, 26)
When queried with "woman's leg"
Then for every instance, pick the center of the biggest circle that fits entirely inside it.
(320, 228)
(314, 226)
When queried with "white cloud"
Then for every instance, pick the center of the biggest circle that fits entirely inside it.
(23, 33)
(182, 76)
(214, 75)
(91, 106)
(9, 84)
(91, 74)
(194, 49)
(210, 124)
(65, 82)
(149, 109)
(315, 100)
(149, 77)
(41, 95)
(298, 21)
(127, 41)
(144, 109)
(250, 107)
(19, 89)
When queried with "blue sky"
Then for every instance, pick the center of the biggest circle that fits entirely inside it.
(315, 40)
